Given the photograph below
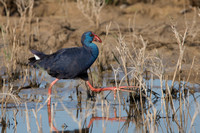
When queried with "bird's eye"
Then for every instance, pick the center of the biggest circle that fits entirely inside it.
(91, 35)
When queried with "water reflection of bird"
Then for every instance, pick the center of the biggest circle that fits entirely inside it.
(68, 63)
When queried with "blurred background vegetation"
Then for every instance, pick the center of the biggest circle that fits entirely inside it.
(12, 7)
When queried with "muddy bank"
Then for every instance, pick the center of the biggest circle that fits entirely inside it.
(56, 25)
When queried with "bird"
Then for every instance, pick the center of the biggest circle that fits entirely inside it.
(70, 63)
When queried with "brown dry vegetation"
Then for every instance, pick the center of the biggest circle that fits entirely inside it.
(159, 37)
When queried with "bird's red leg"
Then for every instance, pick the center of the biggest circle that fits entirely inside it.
(121, 88)
(49, 90)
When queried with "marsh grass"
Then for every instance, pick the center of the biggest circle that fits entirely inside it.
(91, 9)
(17, 36)
(6, 97)
(133, 62)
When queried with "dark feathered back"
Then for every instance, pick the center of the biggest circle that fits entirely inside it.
(68, 63)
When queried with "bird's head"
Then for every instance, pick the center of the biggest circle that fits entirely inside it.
(88, 37)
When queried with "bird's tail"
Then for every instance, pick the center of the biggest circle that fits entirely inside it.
(37, 56)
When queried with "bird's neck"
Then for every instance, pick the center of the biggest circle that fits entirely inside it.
(94, 49)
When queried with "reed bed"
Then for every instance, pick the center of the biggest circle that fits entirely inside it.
(138, 67)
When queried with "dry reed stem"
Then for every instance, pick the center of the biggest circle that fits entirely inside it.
(172, 106)
(194, 117)
(181, 111)
(125, 56)
(15, 119)
(141, 62)
(35, 111)
(180, 40)
(17, 101)
(157, 69)
(139, 65)
(190, 70)
(91, 9)
(79, 122)
(102, 59)
(104, 110)
(6, 95)
(119, 100)
(150, 120)
(27, 119)
(17, 33)
(36, 120)
(42, 105)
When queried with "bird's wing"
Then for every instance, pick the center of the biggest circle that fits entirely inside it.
(37, 54)
(68, 63)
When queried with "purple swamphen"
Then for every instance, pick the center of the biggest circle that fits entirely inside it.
(70, 63)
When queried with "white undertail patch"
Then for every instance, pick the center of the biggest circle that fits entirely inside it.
(36, 57)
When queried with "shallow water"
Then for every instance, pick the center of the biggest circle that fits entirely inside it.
(72, 110)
